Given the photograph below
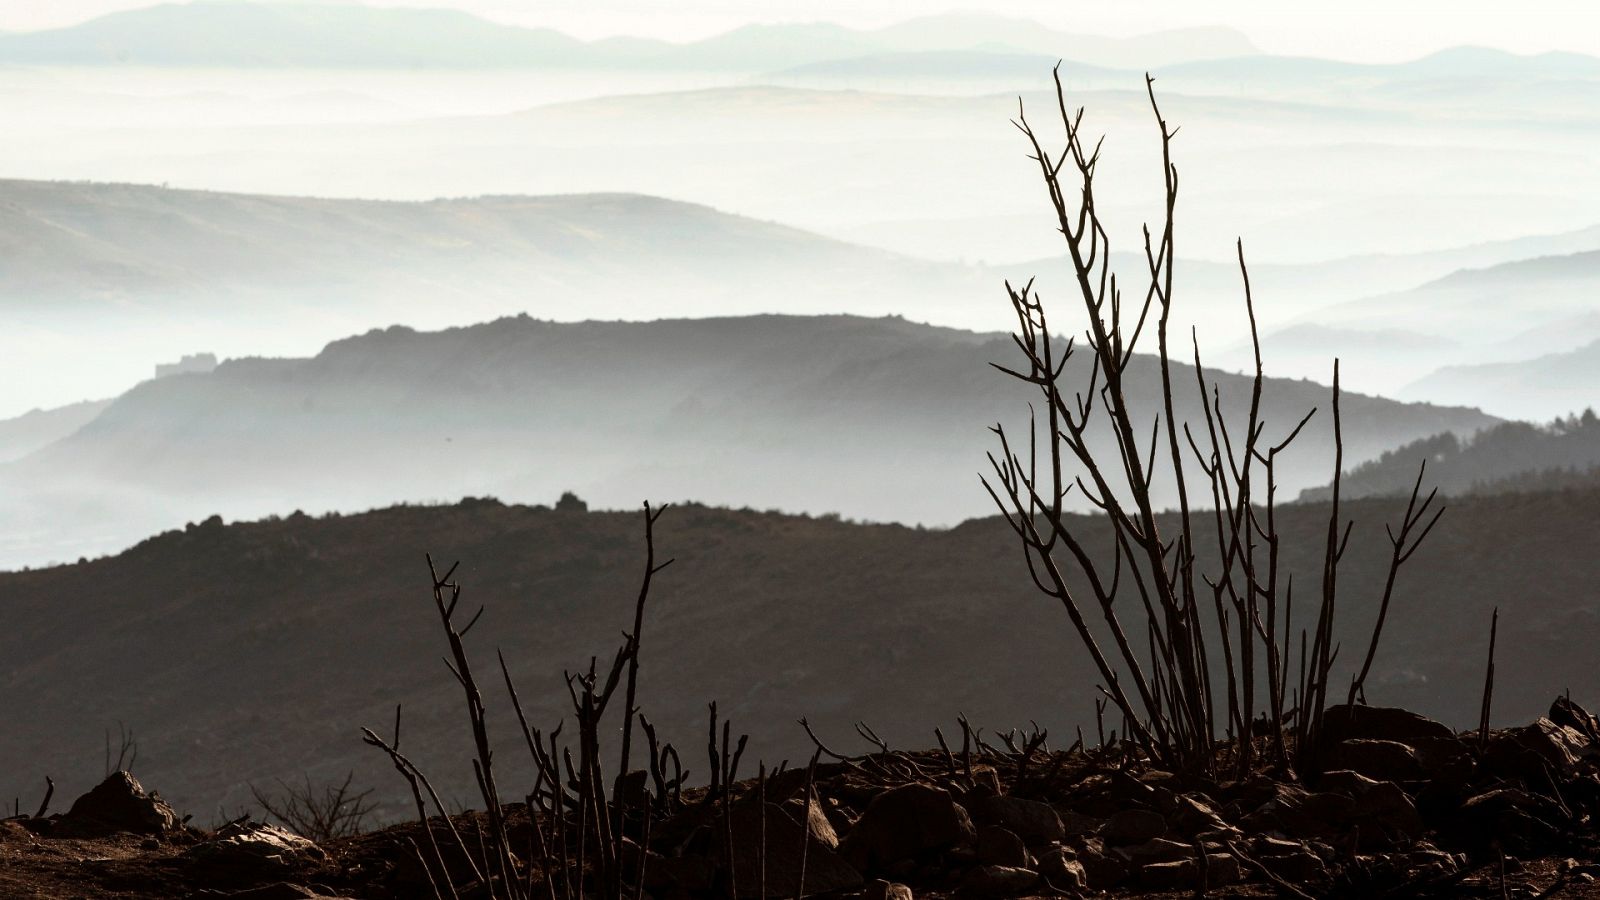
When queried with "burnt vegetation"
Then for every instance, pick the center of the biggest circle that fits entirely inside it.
(1233, 749)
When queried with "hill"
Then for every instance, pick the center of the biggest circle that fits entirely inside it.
(245, 34)
(244, 652)
(1541, 387)
(102, 244)
(1510, 456)
(882, 419)
(38, 428)
(101, 281)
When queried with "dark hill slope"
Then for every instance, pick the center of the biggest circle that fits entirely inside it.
(881, 419)
(1510, 456)
(243, 652)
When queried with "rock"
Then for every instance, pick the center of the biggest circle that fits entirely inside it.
(1565, 713)
(1157, 850)
(1193, 814)
(1062, 869)
(814, 815)
(1380, 759)
(1293, 810)
(1104, 870)
(1220, 869)
(1378, 804)
(1290, 860)
(1448, 762)
(1525, 751)
(282, 890)
(878, 889)
(118, 804)
(246, 850)
(1133, 826)
(1036, 823)
(1077, 824)
(1380, 723)
(632, 788)
(986, 778)
(1000, 847)
(1427, 860)
(996, 883)
(903, 822)
(1522, 821)
(825, 870)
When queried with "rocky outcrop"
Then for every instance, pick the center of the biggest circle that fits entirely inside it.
(118, 804)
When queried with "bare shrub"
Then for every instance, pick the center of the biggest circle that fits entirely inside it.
(1191, 602)
(334, 810)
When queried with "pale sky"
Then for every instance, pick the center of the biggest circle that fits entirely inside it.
(1365, 30)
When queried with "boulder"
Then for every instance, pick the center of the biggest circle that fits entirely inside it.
(1528, 751)
(1194, 814)
(1292, 861)
(825, 870)
(1001, 847)
(1568, 714)
(878, 889)
(1379, 723)
(903, 822)
(1036, 823)
(1383, 760)
(814, 815)
(996, 883)
(1133, 826)
(246, 850)
(1521, 820)
(1381, 807)
(1061, 868)
(1156, 850)
(1103, 869)
(118, 804)
(1294, 811)
(1220, 869)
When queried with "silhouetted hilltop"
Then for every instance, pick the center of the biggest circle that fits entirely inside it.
(240, 652)
(882, 419)
(1510, 456)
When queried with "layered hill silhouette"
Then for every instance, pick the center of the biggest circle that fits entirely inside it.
(232, 650)
(1511, 456)
(109, 246)
(1544, 386)
(881, 419)
(286, 34)
(39, 428)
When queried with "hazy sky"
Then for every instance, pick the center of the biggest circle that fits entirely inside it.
(1370, 30)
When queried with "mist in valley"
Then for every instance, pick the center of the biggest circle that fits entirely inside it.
(296, 292)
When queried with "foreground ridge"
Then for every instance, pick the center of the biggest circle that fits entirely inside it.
(1406, 808)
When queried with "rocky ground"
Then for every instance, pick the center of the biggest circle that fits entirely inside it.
(1403, 808)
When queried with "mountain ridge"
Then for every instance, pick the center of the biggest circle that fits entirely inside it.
(208, 33)
(883, 419)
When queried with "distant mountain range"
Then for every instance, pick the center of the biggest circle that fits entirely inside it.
(101, 246)
(116, 277)
(258, 34)
(881, 419)
(1538, 388)
(1515, 338)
